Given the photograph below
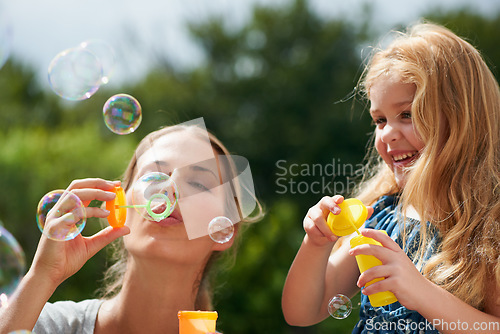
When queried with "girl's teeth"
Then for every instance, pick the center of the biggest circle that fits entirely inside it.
(403, 156)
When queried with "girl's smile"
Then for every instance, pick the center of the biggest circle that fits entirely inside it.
(396, 139)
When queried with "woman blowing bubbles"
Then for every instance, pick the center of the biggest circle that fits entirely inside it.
(436, 109)
(159, 269)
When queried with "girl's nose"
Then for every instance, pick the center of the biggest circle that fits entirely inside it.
(390, 133)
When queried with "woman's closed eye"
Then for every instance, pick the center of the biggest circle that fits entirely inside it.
(198, 185)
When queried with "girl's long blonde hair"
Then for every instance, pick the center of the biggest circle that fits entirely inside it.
(113, 278)
(455, 184)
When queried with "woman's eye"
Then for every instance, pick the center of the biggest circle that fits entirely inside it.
(198, 185)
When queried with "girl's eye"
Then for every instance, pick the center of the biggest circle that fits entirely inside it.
(377, 121)
(406, 114)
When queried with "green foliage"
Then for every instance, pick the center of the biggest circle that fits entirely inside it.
(479, 30)
(270, 91)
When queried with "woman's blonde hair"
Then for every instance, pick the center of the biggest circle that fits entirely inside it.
(455, 183)
(113, 278)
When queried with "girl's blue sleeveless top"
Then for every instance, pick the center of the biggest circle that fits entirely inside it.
(395, 318)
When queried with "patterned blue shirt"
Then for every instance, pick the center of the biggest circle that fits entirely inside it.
(395, 318)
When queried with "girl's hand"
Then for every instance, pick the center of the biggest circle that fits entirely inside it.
(315, 225)
(401, 276)
(58, 260)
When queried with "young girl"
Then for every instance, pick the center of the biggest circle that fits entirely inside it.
(159, 270)
(436, 109)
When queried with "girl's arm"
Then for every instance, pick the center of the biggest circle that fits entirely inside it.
(446, 312)
(55, 261)
(316, 274)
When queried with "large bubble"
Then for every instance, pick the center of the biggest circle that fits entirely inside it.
(61, 215)
(75, 74)
(155, 196)
(340, 306)
(122, 114)
(12, 265)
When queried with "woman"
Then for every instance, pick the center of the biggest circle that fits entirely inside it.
(159, 271)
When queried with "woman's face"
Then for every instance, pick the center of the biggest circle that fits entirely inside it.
(182, 155)
(396, 139)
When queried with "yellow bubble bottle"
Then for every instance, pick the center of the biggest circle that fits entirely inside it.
(352, 216)
(197, 322)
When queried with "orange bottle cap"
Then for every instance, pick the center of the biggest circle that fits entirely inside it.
(117, 215)
(207, 315)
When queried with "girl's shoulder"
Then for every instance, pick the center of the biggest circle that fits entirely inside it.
(384, 214)
(384, 202)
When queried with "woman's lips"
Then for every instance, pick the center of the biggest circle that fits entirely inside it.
(174, 218)
(168, 221)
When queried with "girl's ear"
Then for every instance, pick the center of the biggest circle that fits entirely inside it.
(222, 247)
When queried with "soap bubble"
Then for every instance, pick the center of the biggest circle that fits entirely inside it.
(22, 331)
(75, 74)
(340, 306)
(12, 265)
(64, 213)
(155, 196)
(221, 229)
(104, 53)
(122, 114)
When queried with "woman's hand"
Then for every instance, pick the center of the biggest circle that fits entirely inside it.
(58, 260)
(401, 276)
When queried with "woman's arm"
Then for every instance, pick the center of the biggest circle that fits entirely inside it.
(25, 305)
(55, 261)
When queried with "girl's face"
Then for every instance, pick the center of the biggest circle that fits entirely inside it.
(396, 139)
(178, 150)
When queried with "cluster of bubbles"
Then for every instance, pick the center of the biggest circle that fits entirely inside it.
(339, 306)
(77, 73)
(12, 265)
(61, 214)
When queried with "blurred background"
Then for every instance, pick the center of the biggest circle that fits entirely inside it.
(273, 80)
